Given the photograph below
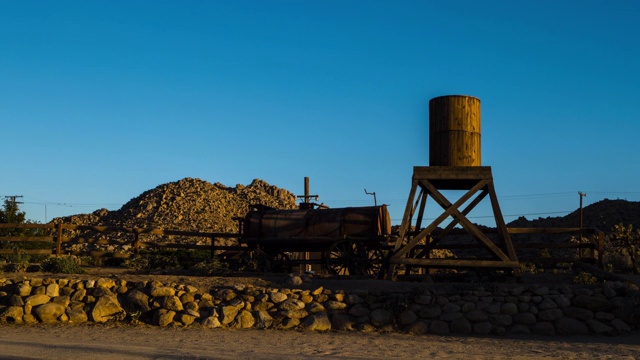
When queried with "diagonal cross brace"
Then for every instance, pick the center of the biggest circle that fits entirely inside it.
(470, 227)
(449, 211)
(453, 223)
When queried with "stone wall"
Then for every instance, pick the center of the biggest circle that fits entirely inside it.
(610, 308)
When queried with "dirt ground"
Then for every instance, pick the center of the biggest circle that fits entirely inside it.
(149, 342)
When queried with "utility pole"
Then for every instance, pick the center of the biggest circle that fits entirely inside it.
(12, 199)
(11, 207)
(581, 196)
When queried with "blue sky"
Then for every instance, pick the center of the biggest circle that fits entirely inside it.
(102, 100)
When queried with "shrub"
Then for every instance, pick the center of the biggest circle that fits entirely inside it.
(196, 261)
(152, 260)
(19, 266)
(62, 265)
(19, 248)
(585, 278)
(625, 242)
(210, 267)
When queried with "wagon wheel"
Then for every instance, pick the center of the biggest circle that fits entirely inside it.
(254, 260)
(281, 263)
(375, 263)
(346, 258)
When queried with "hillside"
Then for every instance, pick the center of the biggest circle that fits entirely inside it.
(602, 215)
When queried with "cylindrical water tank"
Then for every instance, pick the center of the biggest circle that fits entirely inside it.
(454, 131)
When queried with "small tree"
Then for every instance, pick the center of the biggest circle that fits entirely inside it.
(11, 214)
(624, 241)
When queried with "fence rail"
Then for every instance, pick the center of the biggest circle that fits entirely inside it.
(595, 244)
(58, 239)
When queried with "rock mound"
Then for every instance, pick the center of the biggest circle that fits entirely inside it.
(189, 204)
(602, 215)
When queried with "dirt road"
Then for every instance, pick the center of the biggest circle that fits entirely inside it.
(147, 342)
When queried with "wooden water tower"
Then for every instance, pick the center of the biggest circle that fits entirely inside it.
(454, 164)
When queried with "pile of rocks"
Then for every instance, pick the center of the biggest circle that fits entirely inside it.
(609, 308)
(189, 204)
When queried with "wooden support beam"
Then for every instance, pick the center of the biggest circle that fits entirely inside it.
(470, 227)
(408, 214)
(455, 263)
(423, 204)
(451, 225)
(432, 180)
(500, 225)
(451, 209)
(27, 238)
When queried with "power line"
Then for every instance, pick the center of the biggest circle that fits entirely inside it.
(513, 215)
(12, 199)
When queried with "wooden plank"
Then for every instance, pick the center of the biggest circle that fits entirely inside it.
(455, 263)
(408, 214)
(101, 241)
(175, 246)
(545, 230)
(59, 241)
(26, 238)
(27, 226)
(500, 225)
(518, 231)
(518, 246)
(99, 254)
(452, 173)
(555, 245)
(27, 251)
(423, 204)
(551, 260)
(160, 232)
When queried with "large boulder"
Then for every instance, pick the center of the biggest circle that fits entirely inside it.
(11, 315)
(49, 313)
(317, 321)
(136, 300)
(107, 308)
(35, 300)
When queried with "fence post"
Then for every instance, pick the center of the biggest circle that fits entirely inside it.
(136, 237)
(213, 251)
(600, 249)
(59, 240)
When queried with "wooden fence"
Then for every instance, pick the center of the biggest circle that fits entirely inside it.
(590, 245)
(57, 238)
(591, 251)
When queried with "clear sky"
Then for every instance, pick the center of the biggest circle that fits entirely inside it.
(103, 100)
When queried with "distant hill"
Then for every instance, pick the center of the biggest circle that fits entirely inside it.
(602, 215)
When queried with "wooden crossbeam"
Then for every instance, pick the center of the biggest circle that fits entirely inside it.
(434, 242)
(470, 227)
(408, 213)
(455, 263)
(430, 181)
(500, 225)
(448, 212)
